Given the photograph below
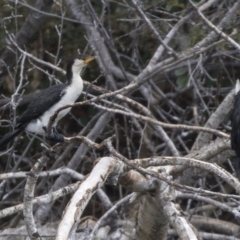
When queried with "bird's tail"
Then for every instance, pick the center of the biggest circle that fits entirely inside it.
(11, 135)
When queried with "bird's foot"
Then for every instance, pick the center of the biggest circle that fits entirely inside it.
(55, 137)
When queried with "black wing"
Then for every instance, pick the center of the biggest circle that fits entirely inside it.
(235, 119)
(41, 103)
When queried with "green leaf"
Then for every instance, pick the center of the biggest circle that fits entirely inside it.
(182, 81)
(181, 71)
(182, 77)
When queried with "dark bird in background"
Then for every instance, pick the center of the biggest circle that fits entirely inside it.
(235, 119)
(38, 113)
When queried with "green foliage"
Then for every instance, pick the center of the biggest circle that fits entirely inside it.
(182, 77)
(196, 33)
(175, 5)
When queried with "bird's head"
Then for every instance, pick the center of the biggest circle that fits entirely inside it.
(76, 65)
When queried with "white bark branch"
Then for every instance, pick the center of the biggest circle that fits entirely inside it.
(87, 188)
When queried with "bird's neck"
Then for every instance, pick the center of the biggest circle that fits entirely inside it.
(76, 80)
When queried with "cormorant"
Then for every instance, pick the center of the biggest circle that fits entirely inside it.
(39, 111)
(235, 120)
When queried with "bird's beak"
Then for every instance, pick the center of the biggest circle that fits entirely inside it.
(89, 59)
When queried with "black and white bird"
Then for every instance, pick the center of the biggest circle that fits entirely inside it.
(36, 117)
(235, 120)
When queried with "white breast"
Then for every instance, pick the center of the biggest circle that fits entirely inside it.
(72, 93)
